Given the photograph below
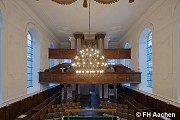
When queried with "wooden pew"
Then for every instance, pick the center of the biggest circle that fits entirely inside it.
(152, 103)
(3, 113)
(23, 106)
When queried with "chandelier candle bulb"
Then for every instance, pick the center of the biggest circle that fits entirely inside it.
(89, 63)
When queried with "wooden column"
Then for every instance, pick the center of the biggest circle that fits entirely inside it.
(115, 94)
(76, 92)
(98, 37)
(79, 38)
(65, 92)
(102, 91)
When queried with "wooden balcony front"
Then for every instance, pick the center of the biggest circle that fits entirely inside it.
(106, 78)
(64, 73)
(71, 53)
(62, 53)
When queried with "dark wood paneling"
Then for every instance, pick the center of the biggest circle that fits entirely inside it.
(14, 110)
(71, 53)
(176, 110)
(18, 108)
(62, 53)
(117, 53)
(153, 104)
(35, 99)
(3, 113)
(106, 78)
(162, 106)
(27, 104)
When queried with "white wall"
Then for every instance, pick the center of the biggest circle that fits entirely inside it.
(163, 18)
(16, 19)
(0, 57)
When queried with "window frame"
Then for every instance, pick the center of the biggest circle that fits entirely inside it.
(29, 60)
(149, 60)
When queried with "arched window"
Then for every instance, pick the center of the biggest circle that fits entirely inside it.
(127, 62)
(29, 60)
(51, 61)
(52, 64)
(145, 60)
(179, 58)
(149, 60)
(33, 59)
(0, 57)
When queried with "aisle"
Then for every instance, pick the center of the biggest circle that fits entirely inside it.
(91, 101)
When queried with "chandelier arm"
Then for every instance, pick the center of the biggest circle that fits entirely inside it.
(106, 1)
(131, 1)
(85, 4)
(64, 2)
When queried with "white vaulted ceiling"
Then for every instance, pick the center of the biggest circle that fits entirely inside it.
(113, 19)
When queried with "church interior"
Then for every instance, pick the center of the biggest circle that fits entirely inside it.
(89, 59)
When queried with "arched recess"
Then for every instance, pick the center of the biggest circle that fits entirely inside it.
(145, 60)
(0, 57)
(176, 16)
(52, 64)
(179, 57)
(51, 61)
(127, 62)
(3, 51)
(31, 28)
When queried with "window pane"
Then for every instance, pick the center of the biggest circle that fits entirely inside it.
(149, 69)
(149, 57)
(149, 50)
(29, 83)
(29, 63)
(29, 76)
(29, 49)
(29, 60)
(149, 43)
(149, 60)
(149, 63)
(29, 70)
(112, 61)
(149, 83)
(29, 43)
(29, 57)
(66, 60)
(149, 76)
(150, 36)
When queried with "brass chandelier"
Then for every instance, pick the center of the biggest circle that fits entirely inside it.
(85, 4)
(89, 62)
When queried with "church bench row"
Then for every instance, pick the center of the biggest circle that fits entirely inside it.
(16, 109)
(35, 112)
(136, 106)
(150, 103)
